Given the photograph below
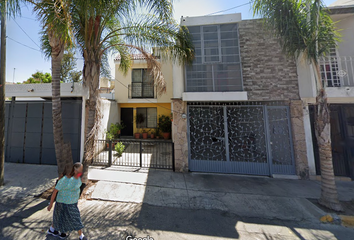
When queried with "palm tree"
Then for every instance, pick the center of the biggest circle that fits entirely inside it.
(6, 7)
(55, 19)
(102, 26)
(306, 31)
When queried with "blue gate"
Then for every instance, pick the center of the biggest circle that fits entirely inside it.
(240, 139)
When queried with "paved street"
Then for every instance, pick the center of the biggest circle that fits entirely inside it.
(205, 212)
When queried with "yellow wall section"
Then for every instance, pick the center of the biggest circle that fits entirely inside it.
(162, 109)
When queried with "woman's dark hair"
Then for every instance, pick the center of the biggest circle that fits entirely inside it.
(72, 172)
(76, 166)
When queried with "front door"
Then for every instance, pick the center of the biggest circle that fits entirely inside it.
(127, 119)
(342, 136)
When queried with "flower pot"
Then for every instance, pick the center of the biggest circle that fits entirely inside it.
(145, 135)
(166, 135)
(137, 135)
(107, 144)
(152, 136)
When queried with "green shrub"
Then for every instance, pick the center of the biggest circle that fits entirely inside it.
(119, 148)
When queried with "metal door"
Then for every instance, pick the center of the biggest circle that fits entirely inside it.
(29, 128)
(247, 140)
(240, 139)
(280, 140)
(127, 119)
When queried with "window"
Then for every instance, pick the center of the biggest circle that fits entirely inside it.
(142, 84)
(217, 63)
(330, 69)
(149, 117)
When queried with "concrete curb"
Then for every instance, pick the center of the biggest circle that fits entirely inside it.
(344, 220)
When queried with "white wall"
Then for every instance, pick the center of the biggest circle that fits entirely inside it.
(345, 25)
(109, 114)
(211, 20)
(178, 80)
(306, 78)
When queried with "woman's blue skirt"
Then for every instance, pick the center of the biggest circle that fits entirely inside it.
(66, 217)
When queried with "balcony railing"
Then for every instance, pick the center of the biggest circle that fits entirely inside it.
(141, 90)
(337, 71)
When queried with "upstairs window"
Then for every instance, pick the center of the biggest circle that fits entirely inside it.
(217, 63)
(142, 84)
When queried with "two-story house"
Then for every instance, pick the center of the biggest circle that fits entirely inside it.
(337, 72)
(236, 108)
(136, 94)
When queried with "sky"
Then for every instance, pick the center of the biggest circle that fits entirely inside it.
(23, 45)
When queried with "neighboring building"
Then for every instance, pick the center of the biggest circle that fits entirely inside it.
(106, 88)
(237, 108)
(29, 124)
(337, 72)
(136, 93)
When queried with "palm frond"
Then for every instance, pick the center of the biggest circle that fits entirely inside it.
(302, 27)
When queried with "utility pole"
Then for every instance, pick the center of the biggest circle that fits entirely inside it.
(2, 90)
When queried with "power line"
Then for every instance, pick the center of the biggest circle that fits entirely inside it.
(28, 18)
(230, 8)
(34, 48)
(149, 100)
(25, 32)
(23, 44)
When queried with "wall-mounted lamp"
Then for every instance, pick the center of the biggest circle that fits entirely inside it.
(184, 116)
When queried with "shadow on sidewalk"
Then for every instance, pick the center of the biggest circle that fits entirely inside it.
(12, 224)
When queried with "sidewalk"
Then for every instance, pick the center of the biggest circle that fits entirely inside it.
(258, 197)
(202, 206)
(23, 180)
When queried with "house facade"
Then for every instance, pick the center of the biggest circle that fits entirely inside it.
(237, 108)
(136, 95)
(338, 78)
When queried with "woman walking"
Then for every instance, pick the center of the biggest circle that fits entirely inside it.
(66, 215)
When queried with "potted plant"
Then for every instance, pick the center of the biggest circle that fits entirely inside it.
(139, 119)
(165, 126)
(119, 148)
(109, 137)
(119, 127)
(153, 134)
(145, 133)
(157, 133)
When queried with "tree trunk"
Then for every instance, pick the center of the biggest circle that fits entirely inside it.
(2, 94)
(329, 195)
(64, 161)
(91, 77)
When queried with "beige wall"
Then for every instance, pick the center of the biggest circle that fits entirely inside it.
(121, 92)
(345, 25)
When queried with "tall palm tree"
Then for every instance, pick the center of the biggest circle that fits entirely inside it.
(305, 30)
(6, 7)
(102, 26)
(55, 18)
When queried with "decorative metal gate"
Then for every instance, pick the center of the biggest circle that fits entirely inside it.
(240, 139)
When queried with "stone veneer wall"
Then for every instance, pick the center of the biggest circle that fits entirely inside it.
(268, 74)
(179, 131)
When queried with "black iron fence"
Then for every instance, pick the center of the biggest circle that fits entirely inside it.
(135, 153)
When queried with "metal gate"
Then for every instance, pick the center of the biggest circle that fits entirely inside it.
(342, 136)
(29, 131)
(240, 139)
